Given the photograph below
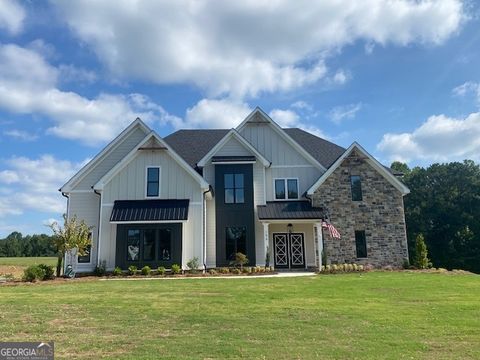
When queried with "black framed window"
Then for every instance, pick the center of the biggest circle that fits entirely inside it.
(153, 181)
(149, 244)
(133, 244)
(356, 186)
(361, 243)
(83, 259)
(165, 245)
(235, 241)
(286, 189)
(234, 188)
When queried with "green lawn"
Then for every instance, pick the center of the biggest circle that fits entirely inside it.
(27, 261)
(377, 315)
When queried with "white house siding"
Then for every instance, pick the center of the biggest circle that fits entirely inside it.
(306, 229)
(86, 207)
(259, 199)
(175, 183)
(306, 175)
(233, 147)
(111, 159)
(272, 146)
(209, 176)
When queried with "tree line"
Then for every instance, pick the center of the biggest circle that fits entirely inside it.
(444, 207)
(17, 245)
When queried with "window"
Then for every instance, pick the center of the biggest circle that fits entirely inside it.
(235, 241)
(165, 242)
(153, 181)
(133, 245)
(84, 259)
(286, 189)
(361, 244)
(149, 244)
(356, 186)
(234, 189)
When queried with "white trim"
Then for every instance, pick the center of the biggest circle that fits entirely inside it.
(283, 134)
(264, 202)
(159, 181)
(285, 183)
(233, 162)
(150, 222)
(100, 218)
(80, 175)
(233, 133)
(108, 204)
(371, 160)
(134, 153)
(195, 203)
(78, 191)
(291, 166)
(289, 221)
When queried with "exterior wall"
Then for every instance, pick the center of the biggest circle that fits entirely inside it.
(111, 159)
(86, 206)
(209, 175)
(306, 229)
(380, 214)
(175, 183)
(233, 147)
(306, 175)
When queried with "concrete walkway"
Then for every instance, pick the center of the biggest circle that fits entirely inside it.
(277, 275)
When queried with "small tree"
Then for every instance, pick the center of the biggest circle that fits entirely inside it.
(421, 253)
(240, 260)
(74, 234)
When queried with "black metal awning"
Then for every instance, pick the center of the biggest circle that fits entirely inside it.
(216, 159)
(289, 210)
(149, 210)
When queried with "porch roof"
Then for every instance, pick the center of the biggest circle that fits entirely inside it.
(289, 210)
(149, 210)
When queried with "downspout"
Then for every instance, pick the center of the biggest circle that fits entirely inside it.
(98, 227)
(68, 207)
(205, 227)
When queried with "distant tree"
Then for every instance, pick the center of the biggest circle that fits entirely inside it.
(400, 167)
(421, 253)
(13, 245)
(74, 234)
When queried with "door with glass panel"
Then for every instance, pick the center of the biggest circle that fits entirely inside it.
(289, 250)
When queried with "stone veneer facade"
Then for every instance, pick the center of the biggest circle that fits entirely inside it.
(380, 214)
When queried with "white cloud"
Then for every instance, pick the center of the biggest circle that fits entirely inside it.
(20, 135)
(440, 138)
(33, 184)
(28, 84)
(211, 113)
(71, 73)
(340, 113)
(291, 119)
(466, 88)
(12, 16)
(247, 47)
(340, 77)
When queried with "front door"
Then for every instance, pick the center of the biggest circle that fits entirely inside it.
(289, 250)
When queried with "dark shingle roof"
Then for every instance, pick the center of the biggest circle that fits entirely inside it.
(193, 145)
(278, 210)
(149, 210)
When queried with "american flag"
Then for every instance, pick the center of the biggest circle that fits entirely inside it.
(331, 229)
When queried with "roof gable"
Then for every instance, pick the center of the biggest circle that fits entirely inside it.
(372, 161)
(152, 140)
(102, 155)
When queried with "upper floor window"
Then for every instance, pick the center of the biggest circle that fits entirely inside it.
(356, 186)
(286, 189)
(86, 257)
(361, 244)
(153, 182)
(234, 189)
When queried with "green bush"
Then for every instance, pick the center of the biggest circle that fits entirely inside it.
(146, 270)
(176, 269)
(33, 273)
(421, 253)
(132, 270)
(224, 270)
(240, 260)
(212, 272)
(193, 264)
(161, 270)
(49, 272)
(245, 270)
(117, 271)
(236, 271)
(101, 269)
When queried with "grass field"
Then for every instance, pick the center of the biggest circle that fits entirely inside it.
(377, 315)
(16, 265)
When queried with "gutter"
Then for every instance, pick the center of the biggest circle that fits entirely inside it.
(99, 221)
(210, 190)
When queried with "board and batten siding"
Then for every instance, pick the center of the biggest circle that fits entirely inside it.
(111, 159)
(209, 176)
(233, 147)
(86, 206)
(307, 176)
(175, 183)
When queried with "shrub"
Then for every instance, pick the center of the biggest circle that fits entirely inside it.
(100, 270)
(354, 267)
(6, 277)
(117, 271)
(224, 270)
(244, 270)
(161, 270)
(421, 253)
(146, 270)
(236, 271)
(176, 269)
(33, 273)
(48, 272)
(212, 272)
(240, 260)
(328, 268)
(193, 264)
(132, 270)
(361, 268)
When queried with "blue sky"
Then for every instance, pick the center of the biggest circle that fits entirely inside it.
(400, 77)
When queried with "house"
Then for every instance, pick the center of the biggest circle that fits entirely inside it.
(258, 189)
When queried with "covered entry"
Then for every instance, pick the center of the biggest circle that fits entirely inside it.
(289, 250)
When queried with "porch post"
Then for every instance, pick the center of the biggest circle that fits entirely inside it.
(318, 227)
(265, 241)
